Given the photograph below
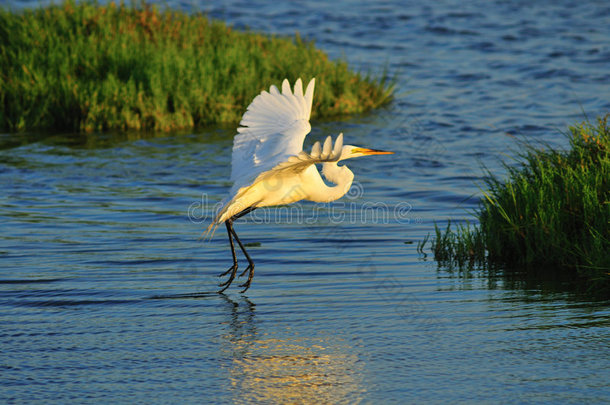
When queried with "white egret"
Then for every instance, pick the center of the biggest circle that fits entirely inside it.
(269, 166)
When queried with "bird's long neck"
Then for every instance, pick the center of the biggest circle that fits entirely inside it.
(341, 176)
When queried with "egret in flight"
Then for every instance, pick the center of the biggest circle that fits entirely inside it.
(270, 167)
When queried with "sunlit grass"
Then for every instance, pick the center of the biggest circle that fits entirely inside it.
(552, 211)
(89, 67)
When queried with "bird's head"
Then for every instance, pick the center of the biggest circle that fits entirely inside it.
(351, 151)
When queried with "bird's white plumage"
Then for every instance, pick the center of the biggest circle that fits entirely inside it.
(272, 129)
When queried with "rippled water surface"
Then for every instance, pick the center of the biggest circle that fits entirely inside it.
(103, 280)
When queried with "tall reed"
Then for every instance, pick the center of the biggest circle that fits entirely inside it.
(552, 211)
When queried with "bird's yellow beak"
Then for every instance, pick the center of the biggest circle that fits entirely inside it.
(366, 151)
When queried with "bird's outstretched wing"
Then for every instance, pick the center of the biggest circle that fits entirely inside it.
(272, 129)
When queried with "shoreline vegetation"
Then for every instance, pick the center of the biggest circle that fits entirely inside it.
(552, 213)
(88, 67)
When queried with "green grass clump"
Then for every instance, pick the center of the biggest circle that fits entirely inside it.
(553, 211)
(89, 67)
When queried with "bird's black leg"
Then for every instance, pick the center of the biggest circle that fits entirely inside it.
(232, 269)
(250, 267)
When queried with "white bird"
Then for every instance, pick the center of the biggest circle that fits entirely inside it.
(269, 166)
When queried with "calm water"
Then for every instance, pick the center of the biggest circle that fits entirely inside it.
(97, 231)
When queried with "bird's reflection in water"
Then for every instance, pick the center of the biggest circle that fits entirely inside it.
(290, 368)
(241, 332)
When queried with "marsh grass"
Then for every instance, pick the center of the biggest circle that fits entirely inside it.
(552, 211)
(89, 67)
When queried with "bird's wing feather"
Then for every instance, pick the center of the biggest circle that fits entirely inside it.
(272, 129)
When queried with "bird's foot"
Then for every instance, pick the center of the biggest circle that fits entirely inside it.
(246, 285)
(226, 284)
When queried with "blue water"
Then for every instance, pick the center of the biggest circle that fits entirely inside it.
(103, 282)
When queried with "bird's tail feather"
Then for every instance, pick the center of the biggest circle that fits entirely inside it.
(208, 234)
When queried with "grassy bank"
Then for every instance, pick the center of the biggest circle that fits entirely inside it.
(553, 211)
(88, 67)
